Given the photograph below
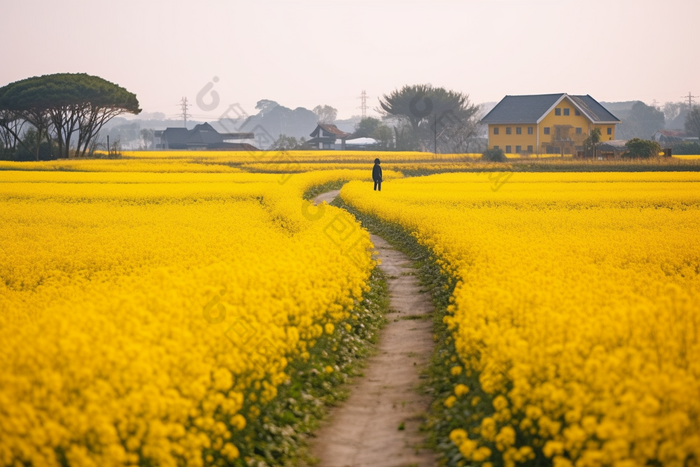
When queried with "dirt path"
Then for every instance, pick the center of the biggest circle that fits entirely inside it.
(378, 425)
(328, 197)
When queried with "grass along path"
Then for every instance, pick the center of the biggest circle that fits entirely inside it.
(379, 424)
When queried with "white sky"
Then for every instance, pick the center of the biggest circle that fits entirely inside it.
(309, 52)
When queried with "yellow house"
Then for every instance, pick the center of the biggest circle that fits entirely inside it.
(547, 123)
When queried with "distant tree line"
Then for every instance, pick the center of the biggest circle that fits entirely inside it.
(59, 115)
(413, 118)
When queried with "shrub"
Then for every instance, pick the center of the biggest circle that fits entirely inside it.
(641, 148)
(494, 155)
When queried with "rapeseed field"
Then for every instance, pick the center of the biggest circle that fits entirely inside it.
(575, 318)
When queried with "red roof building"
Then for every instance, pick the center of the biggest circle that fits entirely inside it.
(326, 136)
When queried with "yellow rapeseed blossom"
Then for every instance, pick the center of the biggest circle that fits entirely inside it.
(576, 308)
(143, 314)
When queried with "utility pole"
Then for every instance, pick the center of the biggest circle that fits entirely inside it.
(690, 100)
(363, 105)
(183, 106)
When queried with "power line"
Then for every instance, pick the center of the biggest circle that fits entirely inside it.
(183, 106)
(363, 105)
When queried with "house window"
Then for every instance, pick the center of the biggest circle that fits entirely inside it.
(529, 130)
(518, 149)
(609, 130)
(579, 130)
(546, 130)
(518, 130)
(508, 149)
(566, 112)
(507, 130)
(557, 112)
(529, 148)
(497, 147)
(577, 113)
(495, 130)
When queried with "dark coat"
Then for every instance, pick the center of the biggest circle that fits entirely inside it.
(377, 173)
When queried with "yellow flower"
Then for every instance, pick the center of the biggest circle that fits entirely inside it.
(488, 428)
(458, 435)
(500, 403)
(230, 451)
(238, 421)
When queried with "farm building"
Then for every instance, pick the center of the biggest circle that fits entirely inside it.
(668, 137)
(326, 136)
(547, 123)
(203, 137)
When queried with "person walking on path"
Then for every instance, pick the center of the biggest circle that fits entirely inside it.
(377, 175)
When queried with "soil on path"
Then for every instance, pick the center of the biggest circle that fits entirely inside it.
(378, 425)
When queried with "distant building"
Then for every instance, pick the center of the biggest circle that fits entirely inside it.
(361, 143)
(203, 137)
(613, 149)
(326, 136)
(547, 123)
(668, 137)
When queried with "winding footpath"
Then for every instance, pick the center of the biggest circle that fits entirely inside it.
(378, 426)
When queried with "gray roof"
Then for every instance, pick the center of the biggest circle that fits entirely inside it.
(533, 108)
(613, 145)
(204, 133)
(594, 109)
(176, 135)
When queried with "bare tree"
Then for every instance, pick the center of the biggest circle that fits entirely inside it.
(11, 127)
(672, 110)
(326, 113)
(692, 122)
(147, 138)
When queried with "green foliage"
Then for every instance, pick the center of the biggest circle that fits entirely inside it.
(278, 436)
(384, 137)
(590, 142)
(371, 127)
(494, 155)
(440, 286)
(30, 143)
(426, 113)
(366, 127)
(65, 90)
(66, 105)
(641, 148)
(287, 143)
(314, 191)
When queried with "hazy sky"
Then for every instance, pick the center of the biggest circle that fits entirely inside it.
(304, 53)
